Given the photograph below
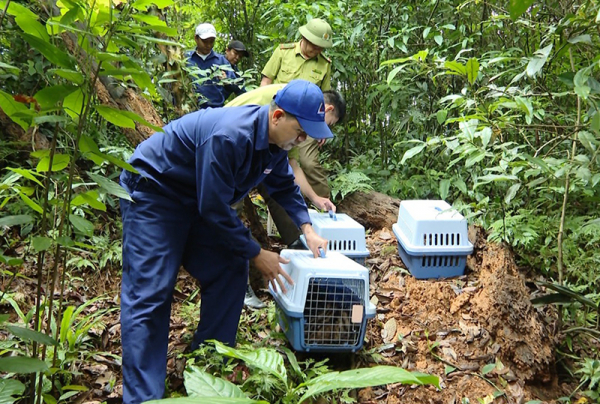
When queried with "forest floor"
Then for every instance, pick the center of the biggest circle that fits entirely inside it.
(479, 333)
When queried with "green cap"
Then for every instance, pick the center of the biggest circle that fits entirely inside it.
(318, 32)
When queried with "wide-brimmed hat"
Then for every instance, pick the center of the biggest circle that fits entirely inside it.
(318, 32)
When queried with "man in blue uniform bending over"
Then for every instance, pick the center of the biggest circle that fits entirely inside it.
(189, 176)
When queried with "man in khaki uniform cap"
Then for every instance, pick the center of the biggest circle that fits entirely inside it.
(304, 60)
(335, 110)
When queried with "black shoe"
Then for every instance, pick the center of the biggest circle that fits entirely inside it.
(297, 245)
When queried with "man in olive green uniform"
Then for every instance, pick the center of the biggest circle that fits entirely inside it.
(335, 110)
(304, 60)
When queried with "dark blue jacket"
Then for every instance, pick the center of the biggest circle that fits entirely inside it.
(212, 92)
(212, 158)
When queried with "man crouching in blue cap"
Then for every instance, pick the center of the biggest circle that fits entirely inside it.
(189, 176)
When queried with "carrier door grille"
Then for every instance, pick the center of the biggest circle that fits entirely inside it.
(328, 311)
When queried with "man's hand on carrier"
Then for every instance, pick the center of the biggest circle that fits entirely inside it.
(268, 263)
(314, 241)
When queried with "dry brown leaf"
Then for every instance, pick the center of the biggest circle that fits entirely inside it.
(389, 330)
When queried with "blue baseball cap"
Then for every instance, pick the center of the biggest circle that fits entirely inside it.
(305, 101)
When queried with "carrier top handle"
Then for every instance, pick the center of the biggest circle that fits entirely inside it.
(321, 252)
(332, 215)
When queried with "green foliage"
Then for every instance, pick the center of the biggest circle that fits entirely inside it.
(280, 386)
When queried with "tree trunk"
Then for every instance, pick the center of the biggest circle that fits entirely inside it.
(373, 210)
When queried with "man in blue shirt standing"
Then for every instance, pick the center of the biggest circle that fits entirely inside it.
(179, 213)
(216, 79)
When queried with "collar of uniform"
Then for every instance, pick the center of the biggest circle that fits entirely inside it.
(262, 128)
(298, 50)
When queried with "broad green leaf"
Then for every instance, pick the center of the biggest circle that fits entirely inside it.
(488, 368)
(582, 91)
(461, 185)
(571, 293)
(510, 194)
(115, 116)
(149, 19)
(59, 162)
(10, 388)
(551, 299)
(525, 105)
(73, 103)
(266, 359)
(12, 107)
(39, 120)
(587, 140)
(51, 52)
(485, 179)
(29, 202)
(49, 97)
(393, 73)
(49, 399)
(598, 16)
(486, 136)
(90, 150)
(32, 26)
(16, 9)
(41, 243)
(65, 241)
(581, 38)
(475, 158)
(134, 117)
(83, 225)
(75, 387)
(441, 116)
(472, 69)
(201, 384)
(143, 5)
(412, 152)
(109, 186)
(518, 7)
(581, 80)
(67, 395)
(538, 60)
(110, 57)
(444, 188)
(71, 75)
(438, 39)
(366, 377)
(10, 261)
(595, 123)
(141, 78)
(11, 68)
(90, 198)
(456, 67)
(205, 400)
(426, 32)
(21, 364)
(15, 220)
(4, 318)
(26, 334)
(120, 163)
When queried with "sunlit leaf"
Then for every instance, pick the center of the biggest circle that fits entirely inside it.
(30, 175)
(143, 5)
(90, 198)
(441, 116)
(11, 108)
(59, 162)
(586, 38)
(205, 400)
(538, 60)
(518, 7)
(71, 75)
(32, 26)
(73, 103)
(472, 69)
(115, 116)
(29, 202)
(438, 39)
(365, 377)
(456, 67)
(412, 152)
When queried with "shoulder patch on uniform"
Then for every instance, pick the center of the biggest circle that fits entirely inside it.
(287, 45)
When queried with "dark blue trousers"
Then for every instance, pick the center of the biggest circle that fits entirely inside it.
(160, 235)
